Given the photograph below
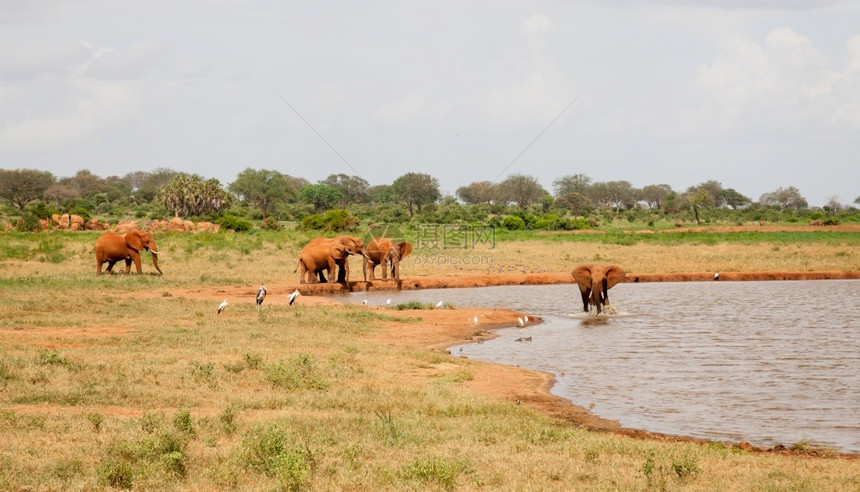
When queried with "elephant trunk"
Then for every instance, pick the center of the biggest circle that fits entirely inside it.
(155, 261)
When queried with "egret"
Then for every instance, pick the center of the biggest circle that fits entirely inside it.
(526, 317)
(475, 319)
(364, 302)
(388, 302)
(261, 294)
(222, 306)
(716, 276)
(521, 322)
(440, 303)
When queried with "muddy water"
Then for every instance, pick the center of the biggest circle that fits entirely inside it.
(765, 362)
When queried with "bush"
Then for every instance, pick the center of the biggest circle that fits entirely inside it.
(234, 223)
(270, 224)
(513, 223)
(268, 449)
(333, 221)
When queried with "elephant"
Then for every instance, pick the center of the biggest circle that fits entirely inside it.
(352, 245)
(324, 254)
(112, 247)
(594, 281)
(381, 251)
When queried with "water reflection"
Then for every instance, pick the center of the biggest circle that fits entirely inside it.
(718, 360)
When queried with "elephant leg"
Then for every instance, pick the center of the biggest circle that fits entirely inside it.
(128, 265)
(110, 265)
(322, 278)
(585, 296)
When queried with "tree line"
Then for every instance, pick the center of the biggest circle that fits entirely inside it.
(270, 195)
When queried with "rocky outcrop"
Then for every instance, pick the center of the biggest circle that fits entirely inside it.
(126, 226)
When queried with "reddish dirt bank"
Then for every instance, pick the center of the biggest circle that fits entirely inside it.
(488, 280)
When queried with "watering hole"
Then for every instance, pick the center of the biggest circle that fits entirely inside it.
(774, 362)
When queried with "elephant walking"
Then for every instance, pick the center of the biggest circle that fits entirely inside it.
(111, 248)
(594, 283)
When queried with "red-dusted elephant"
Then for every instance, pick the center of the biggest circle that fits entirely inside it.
(111, 248)
(326, 254)
(384, 251)
(594, 281)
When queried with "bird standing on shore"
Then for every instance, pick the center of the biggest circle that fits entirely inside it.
(475, 319)
(293, 296)
(222, 306)
(261, 294)
(440, 303)
(521, 322)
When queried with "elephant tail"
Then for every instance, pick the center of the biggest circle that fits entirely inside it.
(297, 265)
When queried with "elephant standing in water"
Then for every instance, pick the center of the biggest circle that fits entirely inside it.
(594, 281)
(111, 248)
(381, 251)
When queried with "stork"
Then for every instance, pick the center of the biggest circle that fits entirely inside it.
(293, 296)
(261, 294)
(222, 306)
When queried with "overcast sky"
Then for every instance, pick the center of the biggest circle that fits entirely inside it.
(755, 94)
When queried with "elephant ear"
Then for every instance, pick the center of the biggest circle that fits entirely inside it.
(582, 275)
(614, 275)
(132, 240)
(338, 252)
(405, 249)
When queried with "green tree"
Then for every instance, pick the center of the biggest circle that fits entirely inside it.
(416, 190)
(655, 195)
(192, 196)
(321, 196)
(784, 198)
(145, 185)
(620, 194)
(477, 192)
(263, 188)
(734, 199)
(574, 201)
(571, 183)
(381, 194)
(521, 189)
(21, 186)
(353, 188)
(698, 199)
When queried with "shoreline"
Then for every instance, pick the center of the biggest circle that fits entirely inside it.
(490, 280)
(525, 385)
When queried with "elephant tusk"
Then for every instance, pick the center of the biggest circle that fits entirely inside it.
(153, 252)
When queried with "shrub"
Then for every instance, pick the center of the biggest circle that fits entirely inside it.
(333, 220)
(234, 223)
(513, 223)
(269, 449)
(298, 373)
(271, 224)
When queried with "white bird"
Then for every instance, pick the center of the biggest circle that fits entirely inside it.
(293, 296)
(475, 319)
(716, 276)
(222, 306)
(364, 302)
(440, 303)
(261, 294)
(527, 318)
(521, 322)
(388, 302)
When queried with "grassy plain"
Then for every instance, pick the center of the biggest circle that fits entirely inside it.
(114, 381)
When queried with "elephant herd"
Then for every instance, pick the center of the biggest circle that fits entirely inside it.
(322, 256)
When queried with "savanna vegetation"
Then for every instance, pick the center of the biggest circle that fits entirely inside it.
(134, 382)
(267, 198)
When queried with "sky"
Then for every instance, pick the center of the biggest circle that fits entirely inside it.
(756, 94)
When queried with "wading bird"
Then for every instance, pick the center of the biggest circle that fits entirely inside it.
(475, 319)
(364, 302)
(388, 302)
(222, 306)
(440, 303)
(293, 296)
(521, 322)
(261, 294)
